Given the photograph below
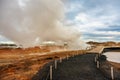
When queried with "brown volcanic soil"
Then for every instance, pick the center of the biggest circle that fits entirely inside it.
(22, 64)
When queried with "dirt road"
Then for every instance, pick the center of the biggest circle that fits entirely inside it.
(78, 68)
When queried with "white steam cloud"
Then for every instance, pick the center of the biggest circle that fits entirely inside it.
(29, 22)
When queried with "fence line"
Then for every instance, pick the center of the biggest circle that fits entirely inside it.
(111, 68)
(50, 74)
(53, 66)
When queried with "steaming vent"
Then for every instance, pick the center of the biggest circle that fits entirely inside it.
(32, 22)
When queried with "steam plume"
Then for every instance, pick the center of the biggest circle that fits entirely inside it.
(29, 22)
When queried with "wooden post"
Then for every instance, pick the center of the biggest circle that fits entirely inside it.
(98, 64)
(51, 72)
(55, 64)
(60, 60)
(112, 74)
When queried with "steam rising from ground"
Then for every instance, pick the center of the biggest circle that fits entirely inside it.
(30, 22)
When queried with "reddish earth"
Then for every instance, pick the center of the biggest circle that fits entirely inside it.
(23, 64)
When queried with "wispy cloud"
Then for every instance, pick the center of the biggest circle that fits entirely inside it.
(95, 19)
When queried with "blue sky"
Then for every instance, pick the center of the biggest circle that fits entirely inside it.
(97, 20)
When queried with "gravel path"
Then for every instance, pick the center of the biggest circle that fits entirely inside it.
(80, 67)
